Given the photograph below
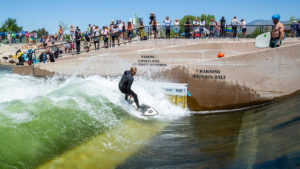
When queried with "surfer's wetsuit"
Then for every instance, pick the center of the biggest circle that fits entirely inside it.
(125, 87)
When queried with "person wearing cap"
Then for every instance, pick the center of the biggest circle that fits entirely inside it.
(277, 32)
(125, 85)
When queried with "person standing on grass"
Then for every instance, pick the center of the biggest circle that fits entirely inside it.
(9, 38)
(187, 28)
(13, 36)
(167, 23)
(234, 23)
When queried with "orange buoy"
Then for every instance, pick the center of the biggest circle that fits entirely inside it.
(220, 55)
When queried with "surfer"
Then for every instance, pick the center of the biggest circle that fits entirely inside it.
(125, 85)
(277, 32)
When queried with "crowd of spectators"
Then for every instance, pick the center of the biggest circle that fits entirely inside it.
(118, 31)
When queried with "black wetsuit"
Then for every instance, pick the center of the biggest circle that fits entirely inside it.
(125, 87)
(51, 56)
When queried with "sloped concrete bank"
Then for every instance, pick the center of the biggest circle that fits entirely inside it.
(245, 76)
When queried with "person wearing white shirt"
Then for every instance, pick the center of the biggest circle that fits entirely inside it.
(96, 37)
(234, 23)
(105, 33)
(195, 27)
(167, 22)
(202, 26)
(176, 28)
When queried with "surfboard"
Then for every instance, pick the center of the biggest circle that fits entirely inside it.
(144, 109)
(263, 40)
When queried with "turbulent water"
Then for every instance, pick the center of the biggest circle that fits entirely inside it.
(41, 119)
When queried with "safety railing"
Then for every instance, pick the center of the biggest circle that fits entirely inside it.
(228, 31)
(162, 32)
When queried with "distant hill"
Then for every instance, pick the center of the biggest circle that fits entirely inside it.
(257, 22)
(265, 22)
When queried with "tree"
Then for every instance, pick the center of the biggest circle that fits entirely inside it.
(255, 33)
(207, 19)
(292, 18)
(136, 20)
(64, 26)
(41, 32)
(10, 25)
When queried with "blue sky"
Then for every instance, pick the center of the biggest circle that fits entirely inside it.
(35, 14)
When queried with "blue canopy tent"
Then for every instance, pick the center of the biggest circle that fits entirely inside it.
(2, 34)
(22, 32)
(230, 30)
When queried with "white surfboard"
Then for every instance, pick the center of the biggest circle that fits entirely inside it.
(263, 40)
(145, 109)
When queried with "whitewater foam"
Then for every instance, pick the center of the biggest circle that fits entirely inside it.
(27, 88)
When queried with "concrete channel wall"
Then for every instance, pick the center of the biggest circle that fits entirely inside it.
(244, 79)
(245, 76)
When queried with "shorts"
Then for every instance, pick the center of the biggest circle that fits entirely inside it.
(244, 30)
(115, 35)
(105, 39)
(87, 44)
(141, 33)
(154, 28)
(176, 30)
(67, 45)
(129, 34)
(273, 43)
(201, 30)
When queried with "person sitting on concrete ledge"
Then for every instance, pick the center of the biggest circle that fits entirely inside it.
(46, 56)
(20, 57)
(50, 55)
(277, 32)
